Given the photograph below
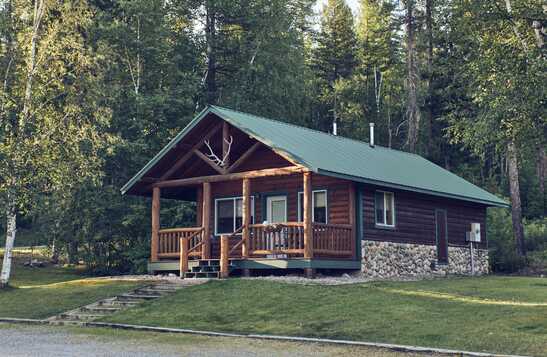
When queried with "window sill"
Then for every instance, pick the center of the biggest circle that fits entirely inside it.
(380, 226)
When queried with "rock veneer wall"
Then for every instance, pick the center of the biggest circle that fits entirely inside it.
(389, 260)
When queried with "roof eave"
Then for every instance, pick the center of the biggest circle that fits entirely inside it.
(499, 203)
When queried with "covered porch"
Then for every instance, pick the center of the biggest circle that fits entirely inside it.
(276, 243)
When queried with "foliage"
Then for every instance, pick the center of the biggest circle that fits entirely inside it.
(372, 311)
(115, 80)
(503, 256)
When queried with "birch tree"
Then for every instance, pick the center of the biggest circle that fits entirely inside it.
(504, 71)
(50, 120)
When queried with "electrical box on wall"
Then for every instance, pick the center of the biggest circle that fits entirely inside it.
(475, 234)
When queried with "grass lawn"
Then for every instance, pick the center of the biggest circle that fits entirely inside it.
(43, 292)
(450, 313)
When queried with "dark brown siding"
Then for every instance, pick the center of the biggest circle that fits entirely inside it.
(337, 191)
(415, 218)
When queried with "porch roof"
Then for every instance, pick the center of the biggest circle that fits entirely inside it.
(346, 158)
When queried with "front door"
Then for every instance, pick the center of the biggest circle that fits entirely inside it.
(276, 209)
(276, 212)
(441, 231)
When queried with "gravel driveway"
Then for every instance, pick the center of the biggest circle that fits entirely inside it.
(22, 340)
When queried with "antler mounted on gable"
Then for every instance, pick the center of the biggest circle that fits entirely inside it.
(214, 157)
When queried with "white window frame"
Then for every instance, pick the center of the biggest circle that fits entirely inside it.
(234, 199)
(299, 204)
(385, 210)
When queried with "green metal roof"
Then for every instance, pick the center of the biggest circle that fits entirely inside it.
(345, 158)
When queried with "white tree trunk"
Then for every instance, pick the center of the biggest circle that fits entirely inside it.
(10, 240)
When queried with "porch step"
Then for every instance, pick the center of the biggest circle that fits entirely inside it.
(111, 305)
(207, 269)
(201, 275)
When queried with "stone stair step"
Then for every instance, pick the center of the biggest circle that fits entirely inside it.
(105, 309)
(198, 275)
(139, 296)
(120, 303)
(78, 317)
(66, 323)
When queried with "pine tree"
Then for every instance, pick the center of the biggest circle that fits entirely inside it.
(334, 57)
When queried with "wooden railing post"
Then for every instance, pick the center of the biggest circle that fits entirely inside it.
(183, 256)
(224, 252)
(246, 217)
(154, 243)
(206, 221)
(308, 231)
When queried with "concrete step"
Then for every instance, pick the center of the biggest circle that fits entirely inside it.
(66, 323)
(101, 309)
(120, 303)
(78, 317)
(133, 296)
(201, 275)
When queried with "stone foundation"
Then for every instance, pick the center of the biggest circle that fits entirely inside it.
(389, 260)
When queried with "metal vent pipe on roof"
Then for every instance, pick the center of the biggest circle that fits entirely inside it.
(371, 141)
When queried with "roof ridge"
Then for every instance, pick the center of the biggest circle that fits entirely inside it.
(316, 131)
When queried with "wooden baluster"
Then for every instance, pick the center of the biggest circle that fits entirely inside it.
(183, 256)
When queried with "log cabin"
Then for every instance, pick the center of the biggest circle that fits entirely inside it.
(272, 195)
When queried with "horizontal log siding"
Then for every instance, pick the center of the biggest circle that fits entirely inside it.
(415, 218)
(337, 190)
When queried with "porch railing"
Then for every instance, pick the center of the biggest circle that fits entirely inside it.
(333, 240)
(276, 239)
(169, 241)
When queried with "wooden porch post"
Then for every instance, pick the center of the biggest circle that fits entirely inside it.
(183, 263)
(246, 217)
(154, 244)
(352, 220)
(308, 233)
(224, 252)
(206, 221)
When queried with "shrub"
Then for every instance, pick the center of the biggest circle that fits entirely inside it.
(502, 246)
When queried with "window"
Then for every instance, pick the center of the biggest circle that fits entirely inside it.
(229, 214)
(384, 204)
(319, 204)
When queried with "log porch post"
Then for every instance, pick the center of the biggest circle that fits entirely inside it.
(183, 262)
(352, 220)
(224, 252)
(206, 221)
(308, 232)
(154, 243)
(246, 217)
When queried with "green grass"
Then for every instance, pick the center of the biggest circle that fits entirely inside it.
(376, 312)
(44, 292)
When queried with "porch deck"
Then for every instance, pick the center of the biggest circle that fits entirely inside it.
(173, 265)
(259, 246)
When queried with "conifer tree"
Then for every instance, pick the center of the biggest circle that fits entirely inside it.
(334, 57)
